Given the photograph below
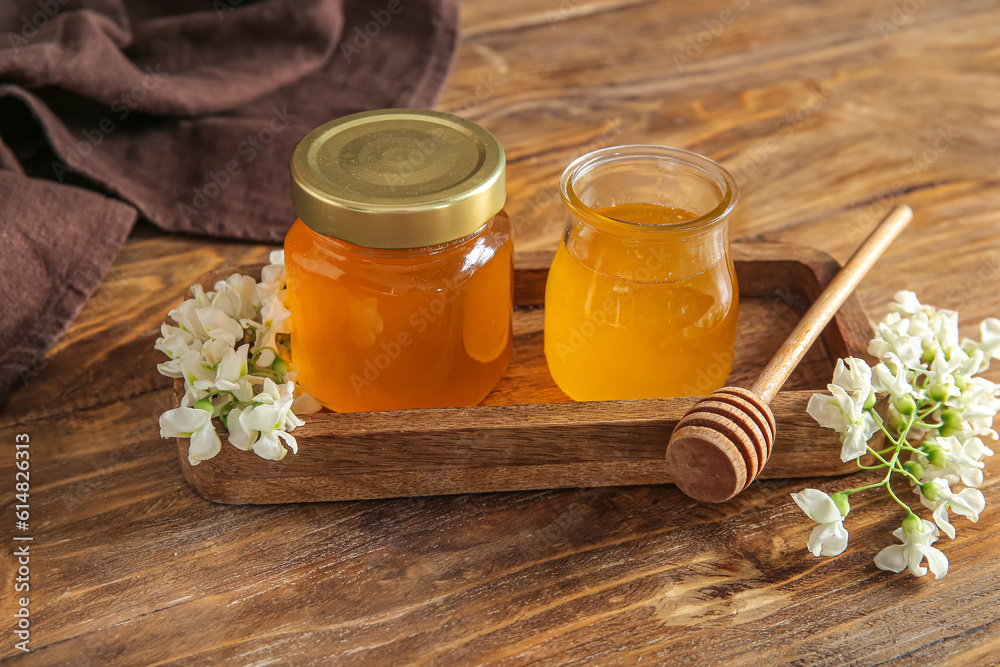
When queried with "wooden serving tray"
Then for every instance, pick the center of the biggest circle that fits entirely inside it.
(527, 434)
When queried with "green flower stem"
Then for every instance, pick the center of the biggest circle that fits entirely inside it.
(902, 439)
(888, 487)
(889, 437)
(900, 468)
(893, 464)
(879, 457)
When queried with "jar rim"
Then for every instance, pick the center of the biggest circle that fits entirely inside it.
(594, 159)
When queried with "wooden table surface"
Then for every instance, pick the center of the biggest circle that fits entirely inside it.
(828, 113)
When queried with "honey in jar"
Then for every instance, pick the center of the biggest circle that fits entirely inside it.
(641, 299)
(400, 265)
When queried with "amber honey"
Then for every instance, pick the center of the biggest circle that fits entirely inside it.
(641, 299)
(402, 330)
(608, 335)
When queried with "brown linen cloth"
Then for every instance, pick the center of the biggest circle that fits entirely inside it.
(184, 112)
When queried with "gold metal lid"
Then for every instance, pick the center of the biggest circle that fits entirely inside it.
(398, 178)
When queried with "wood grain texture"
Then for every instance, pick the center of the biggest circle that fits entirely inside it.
(826, 117)
(528, 435)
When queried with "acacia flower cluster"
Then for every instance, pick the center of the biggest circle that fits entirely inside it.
(937, 414)
(232, 348)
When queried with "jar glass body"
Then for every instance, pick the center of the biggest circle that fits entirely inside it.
(386, 329)
(641, 299)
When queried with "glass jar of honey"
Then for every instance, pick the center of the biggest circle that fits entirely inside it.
(400, 265)
(641, 299)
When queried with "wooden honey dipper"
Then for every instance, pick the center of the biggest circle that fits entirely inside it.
(720, 446)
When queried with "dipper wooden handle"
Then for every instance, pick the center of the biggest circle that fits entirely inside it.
(723, 443)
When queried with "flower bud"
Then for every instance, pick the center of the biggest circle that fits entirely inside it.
(914, 468)
(912, 524)
(930, 491)
(961, 381)
(206, 405)
(937, 456)
(840, 500)
(870, 401)
(928, 355)
(896, 422)
(951, 422)
(905, 405)
(938, 392)
(280, 366)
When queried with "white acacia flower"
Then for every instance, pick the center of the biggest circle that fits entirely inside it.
(989, 330)
(944, 324)
(855, 376)
(891, 377)
(274, 319)
(197, 374)
(943, 368)
(892, 337)
(239, 436)
(234, 296)
(271, 419)
(186, 316)
(917, 536)
(962, 460)
(305, 404)
(218, 325)
(980, 398)
(844, 414)
(829, 538)
(175, 343)
(969, 503)
(193, 423)
(207, 351)
(272, 284)
(906, 304)
(200, 296)
(973, 360)
(935, 326)
(232, 368)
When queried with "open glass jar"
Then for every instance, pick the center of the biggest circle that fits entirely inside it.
(641, 299)
(400, 266)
